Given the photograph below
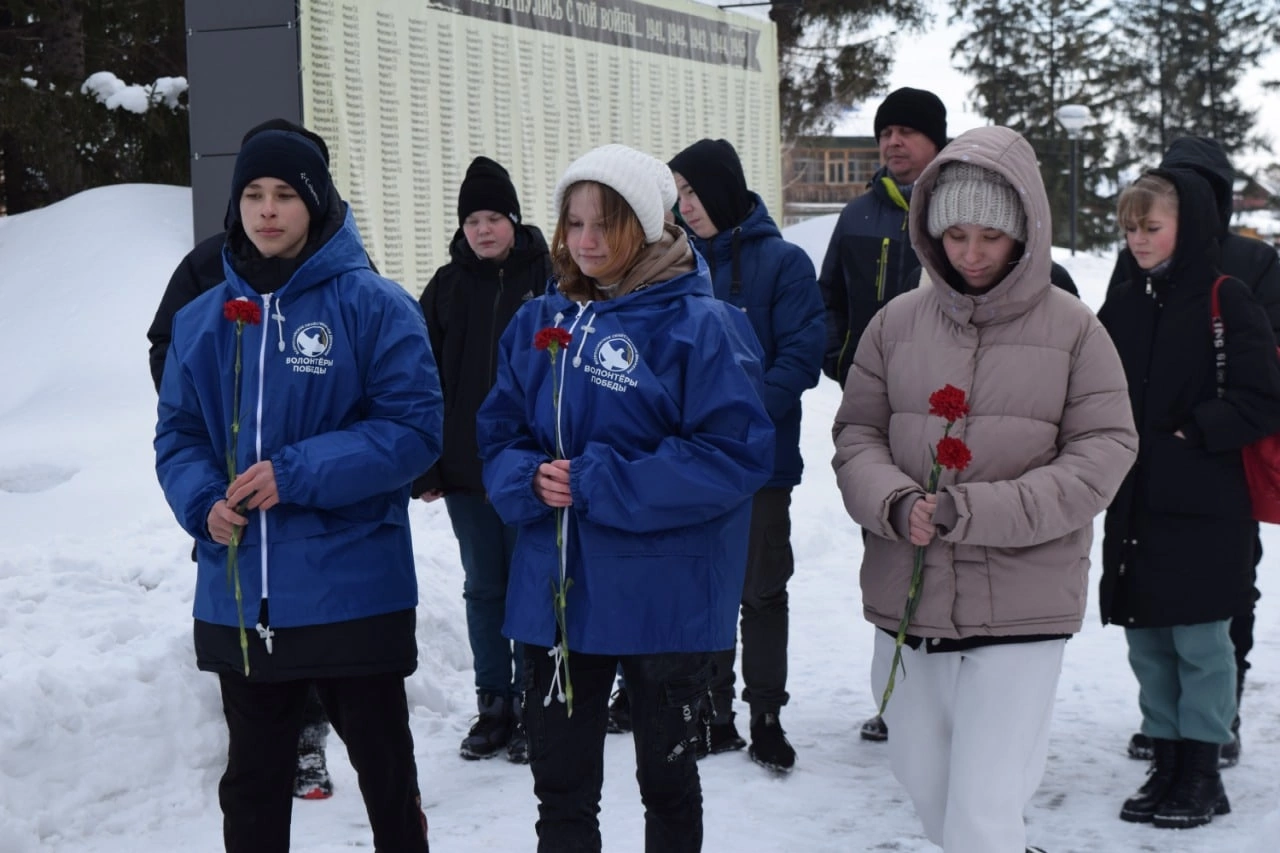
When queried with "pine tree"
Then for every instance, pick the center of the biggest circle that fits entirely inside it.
(1029, 58)
(55, 140)
(1181, 62)
(829, 58)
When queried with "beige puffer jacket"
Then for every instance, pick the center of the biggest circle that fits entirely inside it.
(1050, 428)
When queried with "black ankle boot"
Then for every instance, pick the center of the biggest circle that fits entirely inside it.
(1142, 806)
(1197, 794)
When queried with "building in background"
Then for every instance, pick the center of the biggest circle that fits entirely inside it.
(822, 173)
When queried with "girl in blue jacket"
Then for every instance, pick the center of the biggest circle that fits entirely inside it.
(339, 406)
(628, 462)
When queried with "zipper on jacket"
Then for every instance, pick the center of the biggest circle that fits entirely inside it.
(561, 365)
(494, 331)
(882, 266)
(264, 623)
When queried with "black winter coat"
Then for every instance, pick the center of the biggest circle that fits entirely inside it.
(1179, 537)
(1252, 261)
(867, 264)
(199, 271)
(467, 305)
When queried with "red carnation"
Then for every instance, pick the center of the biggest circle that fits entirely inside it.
(953, 453)
(552, 335)
(242, 311)
(948, 403)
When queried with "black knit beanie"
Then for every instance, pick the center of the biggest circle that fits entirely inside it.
(289, 157)
(914, 108)
(487, 186)
(285, 124)
(714, 172)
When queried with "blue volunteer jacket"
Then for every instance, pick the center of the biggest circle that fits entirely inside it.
(774, 284)
(339, 390)
(662, 419)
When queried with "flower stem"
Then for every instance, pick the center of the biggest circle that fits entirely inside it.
(913, 595)
(233, 547)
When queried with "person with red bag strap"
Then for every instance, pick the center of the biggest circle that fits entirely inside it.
(1262, 458)
(1256, 264)
(1179, 537)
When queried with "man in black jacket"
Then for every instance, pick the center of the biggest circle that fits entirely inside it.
(1257, 265)
(199, 271)
(870, 255)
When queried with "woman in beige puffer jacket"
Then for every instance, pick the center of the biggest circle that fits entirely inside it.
(1007, 539)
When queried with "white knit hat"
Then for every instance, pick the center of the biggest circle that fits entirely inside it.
(966, 194)
(633, 174)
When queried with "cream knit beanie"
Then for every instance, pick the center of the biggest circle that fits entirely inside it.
(966, 194)
(633, 174)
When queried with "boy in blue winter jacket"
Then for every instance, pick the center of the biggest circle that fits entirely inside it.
(773, 283)
(339, 405)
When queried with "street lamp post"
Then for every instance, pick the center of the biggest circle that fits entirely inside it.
(1073, 118)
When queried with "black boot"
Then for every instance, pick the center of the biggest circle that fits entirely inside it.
(518, 745)
(1140, 748)
(1142, 806)
(722, 736)
(311, 775)
(769, 745)
(1197, 795)
(874, 729)
(619, 712)
(491, 730)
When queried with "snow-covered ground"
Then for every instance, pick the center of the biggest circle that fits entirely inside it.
(110, 740)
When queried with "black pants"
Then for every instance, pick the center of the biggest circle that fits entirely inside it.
(668, 694)
(1242, 622)
(370, 714)
(765, 613)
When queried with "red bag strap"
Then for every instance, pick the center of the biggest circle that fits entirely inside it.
(1219, 336)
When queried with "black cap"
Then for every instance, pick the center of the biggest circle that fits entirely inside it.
(915, 108)
(285, 124)
(714, 172)
(287, 156)
(487, 186)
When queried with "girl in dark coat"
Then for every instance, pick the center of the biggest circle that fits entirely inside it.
(1179, 537)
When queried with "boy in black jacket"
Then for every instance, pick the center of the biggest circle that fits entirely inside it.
(497, 264)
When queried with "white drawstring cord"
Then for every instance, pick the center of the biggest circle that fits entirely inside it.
(279, 318)
(555, 690)
(586, 330)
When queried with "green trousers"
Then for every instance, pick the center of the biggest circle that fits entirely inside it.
(1186, 680)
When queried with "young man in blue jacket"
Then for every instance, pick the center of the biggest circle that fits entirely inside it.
(772, 282)
(199, 271)
(339, 404)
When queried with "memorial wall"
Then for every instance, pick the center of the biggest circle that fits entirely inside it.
(407, 92)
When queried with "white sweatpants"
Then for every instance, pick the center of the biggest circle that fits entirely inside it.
(969, 737)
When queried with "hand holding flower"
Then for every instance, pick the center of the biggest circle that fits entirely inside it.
(223, 521)
(255, 488)
(921, 521)
(243, 313)
(951, 453)
(551, 483)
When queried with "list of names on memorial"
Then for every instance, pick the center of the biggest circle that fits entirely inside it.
(407, 92)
